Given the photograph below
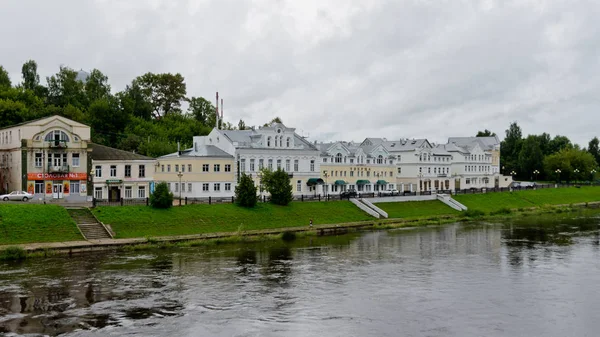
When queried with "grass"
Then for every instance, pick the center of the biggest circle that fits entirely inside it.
(36, 223)
(416, 209)
(497, 202)
(142, 221)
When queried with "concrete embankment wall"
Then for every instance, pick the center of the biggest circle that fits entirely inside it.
(365, 208)
(375, 208)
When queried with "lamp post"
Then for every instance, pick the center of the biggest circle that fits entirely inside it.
(260, 175)
(593, 172)
(576, 171)
(179, 174)
(512, 174)
(92, 173)
(420, 175)
(535, 173)
(377, 180)
(326, 186)
(557, 175)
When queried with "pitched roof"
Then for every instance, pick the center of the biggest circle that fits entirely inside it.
(101, 152)
(244, 139)
(41, 119)
(203, 151)
(486, 143)
(404, 144)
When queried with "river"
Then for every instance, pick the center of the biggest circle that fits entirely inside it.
(536, 276)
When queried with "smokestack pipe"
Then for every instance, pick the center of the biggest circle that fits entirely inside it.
(217, 112)
(221, 109)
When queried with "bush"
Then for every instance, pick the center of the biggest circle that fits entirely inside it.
(473, 213)
(162, 197)
(13, 254)
(278, 185)
(245, 192)
(503, 210)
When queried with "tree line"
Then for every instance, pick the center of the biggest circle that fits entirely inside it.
(541, 157)
(146, 117)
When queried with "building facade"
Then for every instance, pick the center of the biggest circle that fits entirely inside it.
(119, 174)
(48, 157)
(274, 146)
(202, 171)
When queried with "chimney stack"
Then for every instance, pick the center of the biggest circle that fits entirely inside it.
(221, 109)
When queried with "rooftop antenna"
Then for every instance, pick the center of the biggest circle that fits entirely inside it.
(217, 112)
(221, 109)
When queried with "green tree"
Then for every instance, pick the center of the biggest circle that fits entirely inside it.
(202, 110)
(11, 112)
(165, 92)
(96, 86)
(4, 78)
(486, 133)
(544, 141)
(594, 149)
(274, 120)
(510, 147)
(245, 192)
(107, 121)
(567, 161)
(31, 79)
(531, 158)
(133, 102)
(64, 88)
(559, 143)
(241, 125)
(277, 183)
(162, 197)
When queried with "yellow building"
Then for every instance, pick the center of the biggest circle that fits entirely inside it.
(346, 165)
(202, 171)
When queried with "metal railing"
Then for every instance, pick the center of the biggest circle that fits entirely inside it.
(58, 169)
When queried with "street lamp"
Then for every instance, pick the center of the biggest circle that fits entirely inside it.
(557, 175)
(92, 173)
(420, 175)
(593, 172)
(179, 174)
(326, 186)
(576, 171)
(512, 174)
(536, 172)
(260, 189)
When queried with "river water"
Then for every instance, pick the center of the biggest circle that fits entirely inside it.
(537, 276)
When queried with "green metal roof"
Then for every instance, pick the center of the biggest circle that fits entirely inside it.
(381, 182)
(362, 182)
(314, 181)
(340, 182)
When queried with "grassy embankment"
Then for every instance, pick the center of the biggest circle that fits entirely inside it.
(142, 221)
(36, 223)
(416, 209)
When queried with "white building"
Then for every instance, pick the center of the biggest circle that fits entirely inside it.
(275, 146)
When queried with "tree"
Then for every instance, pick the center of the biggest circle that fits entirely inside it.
(274, 120)
(511, 147)
(202, 110)
(4, 78)
(486, 133)
(11, 112)
(31, 79)
(162, 197)
(594, 149)
(133, 102)
(531, 158)
(245, 192)
(567, 161)
(241, 125)
(559, 143)
(96, 86)
(277, 183)
(107, 121)
(64, 88)
(165, 92)
(544, 141)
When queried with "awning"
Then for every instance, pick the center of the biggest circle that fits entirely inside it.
(381, 182)
(314, 181)
(340, 182)
(362, 182)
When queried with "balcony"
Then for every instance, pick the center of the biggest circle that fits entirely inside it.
(57, 144)
(58, 169)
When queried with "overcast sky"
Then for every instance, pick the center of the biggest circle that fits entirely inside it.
(338, 69)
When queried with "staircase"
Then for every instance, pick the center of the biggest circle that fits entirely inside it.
(88, 224)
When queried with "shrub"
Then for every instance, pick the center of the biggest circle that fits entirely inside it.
(278, 185)
(473, 213)
(162, 197)
(13, 254)
(245, 192)
(503, 210)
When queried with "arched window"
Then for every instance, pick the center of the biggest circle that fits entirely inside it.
(380, 159)
(56, 135)
(269, 141)
(288, 142)
(338, 158)
(280, 141)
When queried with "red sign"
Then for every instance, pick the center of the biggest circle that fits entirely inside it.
(57, 176)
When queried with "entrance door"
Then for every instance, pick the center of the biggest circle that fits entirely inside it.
(114, 194)
(57, 190)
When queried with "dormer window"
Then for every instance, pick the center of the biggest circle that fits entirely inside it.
(268, 141)
(338, 158)
(380, 159)
(56, 135)
(288, 142)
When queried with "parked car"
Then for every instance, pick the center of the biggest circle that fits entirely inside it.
(390, 192)
(16, 195)
(351, 193)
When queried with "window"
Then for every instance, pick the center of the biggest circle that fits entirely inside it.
(352, 173)
(142, 192)
(142, 171)
(251, 165)
(368, 161)
(420, 170)
(162, 168)
(217, 167)
(243, 165)
(169, 168)
(299, 186)
(338, 158)
(127, 171)
(287, 165)
(176, 187)
(75, 159)
(429, 170)
(182, 168)
(189, 187)
(227, 167)
(467, 181)
(368, 173)
(278, 164)
(99, 174)
(176, 167)
(217, 187)
(57, 136)
(39, 186)
(205, 187)
(261, 164)
(204, 167)
(182, 187)
(128, 192)
(295, 164)
(270, 164)
(268, 141)
(380, 159)
(312, 166)
(169, 187)
(189, 167)
(75, 186)
(227, 186)
(98, 192)
(288, 142)
(351, 161)
(324, 160)
(38, 160)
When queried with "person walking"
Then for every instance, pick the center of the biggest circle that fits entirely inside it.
(310, 223)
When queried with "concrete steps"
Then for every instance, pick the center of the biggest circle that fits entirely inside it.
(89, 226)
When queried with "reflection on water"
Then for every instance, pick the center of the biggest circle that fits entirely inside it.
(533, 276)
